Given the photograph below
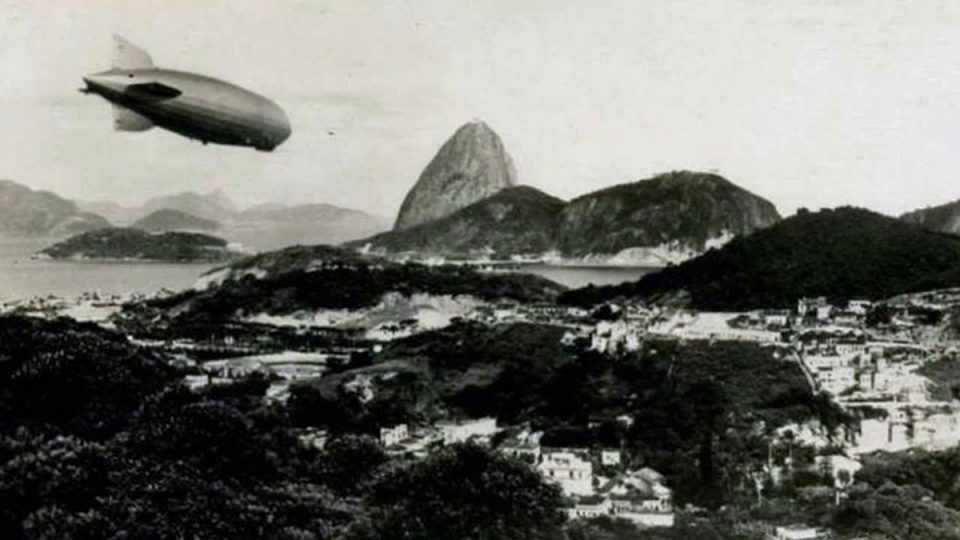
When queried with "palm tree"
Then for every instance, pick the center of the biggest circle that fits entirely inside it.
(841, 481)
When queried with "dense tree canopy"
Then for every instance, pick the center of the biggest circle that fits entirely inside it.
(843, 253)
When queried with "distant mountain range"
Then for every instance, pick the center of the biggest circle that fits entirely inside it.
(174, 220)
(846, 253)
(271, 226)
(665, 219)
(28, 213)
(214, 205)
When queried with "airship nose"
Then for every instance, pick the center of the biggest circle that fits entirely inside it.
(106, 81)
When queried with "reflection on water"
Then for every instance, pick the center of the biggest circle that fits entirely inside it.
(21, 277)
(581, 276)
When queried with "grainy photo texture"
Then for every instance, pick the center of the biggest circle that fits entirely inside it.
(500, 270)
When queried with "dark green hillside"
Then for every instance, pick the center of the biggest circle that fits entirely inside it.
(842, 253)
(122, 243)
(681, 395)
(77, 377)
(99, 440)
(683, 206)
(682, 210)
(466, 370)
(322, 277)
(516, 220)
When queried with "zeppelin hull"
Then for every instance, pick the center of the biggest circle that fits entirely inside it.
(194, 106)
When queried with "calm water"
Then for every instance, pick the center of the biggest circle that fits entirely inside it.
(581, 276)
(21, 277)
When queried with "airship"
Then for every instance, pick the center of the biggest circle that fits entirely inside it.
(196, 106)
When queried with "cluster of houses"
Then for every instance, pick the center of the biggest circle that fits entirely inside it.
(595, 482)
(281, 369)
(400, 439)
(880, 383)
(88, 306)
(892, 428)
(541, 312)
(616, 337)
(711, 326)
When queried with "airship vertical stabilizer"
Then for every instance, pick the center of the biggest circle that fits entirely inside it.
(126, 55)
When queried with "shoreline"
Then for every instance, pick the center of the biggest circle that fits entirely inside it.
(122, 261)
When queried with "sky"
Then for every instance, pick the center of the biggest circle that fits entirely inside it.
(806, 103)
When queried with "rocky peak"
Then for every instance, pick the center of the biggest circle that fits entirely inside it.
(472, 165)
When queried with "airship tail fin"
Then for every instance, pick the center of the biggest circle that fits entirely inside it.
(126, 120)
(126, 55)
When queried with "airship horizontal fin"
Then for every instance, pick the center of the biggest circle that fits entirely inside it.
(126, 120)
(153, 90)
(126, 55)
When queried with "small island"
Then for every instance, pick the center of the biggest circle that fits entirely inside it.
(127, 244)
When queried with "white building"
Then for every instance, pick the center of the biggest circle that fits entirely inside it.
(313, 438)
(571, 469)
(393, 435)
(810, 305)
(860, 307)
(642, 498)
(818, 361)
(460, 431)
(776, 318)
(590, 507)
(610, 458)
(526, 451)
(196, 382)
(797, 532)
(836, 463)
(836, 380)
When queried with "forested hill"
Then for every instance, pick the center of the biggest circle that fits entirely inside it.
(667, 217)
(304, 278)
(522, 372)
(117, 243)
(840, 253)
(518, 219)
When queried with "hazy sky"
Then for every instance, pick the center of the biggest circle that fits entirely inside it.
(807, 103)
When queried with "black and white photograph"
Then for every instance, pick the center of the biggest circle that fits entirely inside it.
(496, 270)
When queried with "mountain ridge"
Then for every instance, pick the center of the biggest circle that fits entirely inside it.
(632, 223)
(174, 220)
(510, 221)
(25, 212)
(266, 226)
(943, 217)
